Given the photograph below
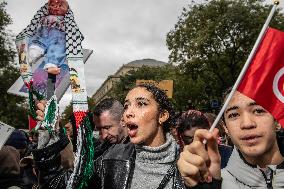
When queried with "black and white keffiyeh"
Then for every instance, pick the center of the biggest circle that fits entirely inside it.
(74, 37)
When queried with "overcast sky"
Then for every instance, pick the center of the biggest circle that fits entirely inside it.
(118, 31)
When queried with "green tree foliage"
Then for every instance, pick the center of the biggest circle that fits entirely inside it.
(6, 51)
(12, 109)
(211, 41)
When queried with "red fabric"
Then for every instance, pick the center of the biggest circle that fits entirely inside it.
(32, 123)
(79, 116)
(265, 71)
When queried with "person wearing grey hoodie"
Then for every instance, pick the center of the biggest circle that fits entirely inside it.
(239, 174)
(256, 161)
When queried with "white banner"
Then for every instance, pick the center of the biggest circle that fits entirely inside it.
(5, 132)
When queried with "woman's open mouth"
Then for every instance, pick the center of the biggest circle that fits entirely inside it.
(132, 129)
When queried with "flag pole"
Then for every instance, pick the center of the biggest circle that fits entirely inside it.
(263, 31)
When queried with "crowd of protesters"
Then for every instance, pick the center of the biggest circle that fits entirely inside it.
(17, 168)
(145, 144)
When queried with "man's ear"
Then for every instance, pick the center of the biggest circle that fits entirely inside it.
(277, 125)
(164, 116)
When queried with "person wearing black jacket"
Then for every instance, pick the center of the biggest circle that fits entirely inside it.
(147, 160)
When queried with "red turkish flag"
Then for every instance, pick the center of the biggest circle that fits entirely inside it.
(264, 79)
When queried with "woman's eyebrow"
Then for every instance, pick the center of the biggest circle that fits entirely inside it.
(142, 98)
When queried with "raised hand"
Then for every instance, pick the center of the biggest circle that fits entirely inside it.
(198, 162)
(40, 110)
